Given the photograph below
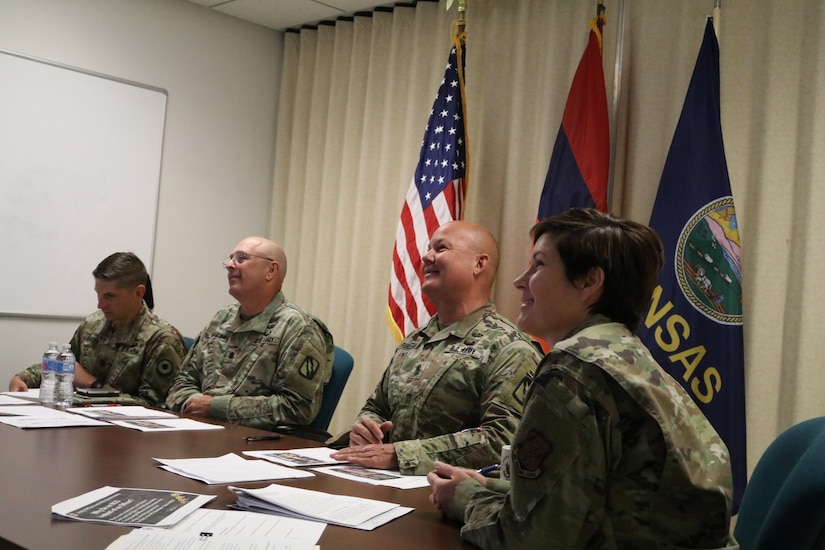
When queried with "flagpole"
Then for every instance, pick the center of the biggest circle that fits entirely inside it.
(459, 37)
(717, 12)
(617, 86)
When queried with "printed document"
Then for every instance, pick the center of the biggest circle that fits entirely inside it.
(387, 478)
(131, 507)
(229, 468)
(357, 512)
(227, 529)
(313, 456)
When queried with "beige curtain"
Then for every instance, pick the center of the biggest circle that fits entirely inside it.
(355, 98)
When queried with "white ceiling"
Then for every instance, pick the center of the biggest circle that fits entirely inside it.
(284, 14)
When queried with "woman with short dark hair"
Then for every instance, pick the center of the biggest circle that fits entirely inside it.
(611, 452)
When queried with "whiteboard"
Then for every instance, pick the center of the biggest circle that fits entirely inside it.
(80, 157)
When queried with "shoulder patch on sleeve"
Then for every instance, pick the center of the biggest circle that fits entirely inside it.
(520, 391)
(309, 368)
(164, 367)
(532, 451)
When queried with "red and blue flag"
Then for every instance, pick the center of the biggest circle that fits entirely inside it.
(580, 163)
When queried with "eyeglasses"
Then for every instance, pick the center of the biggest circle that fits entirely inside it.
(241, 257)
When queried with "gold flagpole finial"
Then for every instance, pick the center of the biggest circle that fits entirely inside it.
(462, 6)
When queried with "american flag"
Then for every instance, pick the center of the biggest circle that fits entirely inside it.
(435, 197)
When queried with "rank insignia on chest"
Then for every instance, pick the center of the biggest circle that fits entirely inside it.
(480, 354)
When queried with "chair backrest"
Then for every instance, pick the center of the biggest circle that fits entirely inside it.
(784, 503)
(341, 368)
(189, 342)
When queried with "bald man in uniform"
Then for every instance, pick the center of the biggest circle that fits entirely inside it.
(454, 389)
(262, 361)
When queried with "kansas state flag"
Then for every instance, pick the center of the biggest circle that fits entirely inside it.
(580, 163)
(694, 324)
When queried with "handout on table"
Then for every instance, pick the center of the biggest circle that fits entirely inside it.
(31, 393)
(36, 416)
(357, 512)
(130, 507)
(229, 468)
(312, 456)
(387, 478)
(121, 412)
(166, 424)
(8, 399)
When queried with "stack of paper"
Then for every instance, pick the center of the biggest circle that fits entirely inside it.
(229, 468)
(360, 513)
(10, 399)
(120, 412)
(37, 416)
(31, 393)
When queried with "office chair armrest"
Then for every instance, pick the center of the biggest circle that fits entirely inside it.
(305, 432)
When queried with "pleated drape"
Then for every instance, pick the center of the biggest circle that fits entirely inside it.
(355, 98)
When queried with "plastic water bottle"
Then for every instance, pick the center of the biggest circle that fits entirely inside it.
(64, 391)
(48, 377)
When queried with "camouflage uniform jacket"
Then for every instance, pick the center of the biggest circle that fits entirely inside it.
(140, 359)
(264, 371)
(455, 394)
(611, 454)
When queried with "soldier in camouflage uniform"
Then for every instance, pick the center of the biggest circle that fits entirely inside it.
(124, 345)
(454, 390)
(261, 362)
(611, 452)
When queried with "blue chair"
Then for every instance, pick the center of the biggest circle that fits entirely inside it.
(784, 503)
(342, 365)
(189, 342)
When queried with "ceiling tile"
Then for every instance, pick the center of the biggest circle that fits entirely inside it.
(279, 14)
(356, 5)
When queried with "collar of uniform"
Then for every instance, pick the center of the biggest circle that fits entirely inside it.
(128, 334)
(592, 321)
(259, 322)
(459, 329)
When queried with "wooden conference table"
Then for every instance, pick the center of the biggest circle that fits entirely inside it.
(40, 467)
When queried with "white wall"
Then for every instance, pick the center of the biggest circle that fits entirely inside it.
(222, 76)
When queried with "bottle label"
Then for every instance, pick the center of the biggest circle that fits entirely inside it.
(67, 367)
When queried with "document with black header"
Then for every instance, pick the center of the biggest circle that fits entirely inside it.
(131, 507)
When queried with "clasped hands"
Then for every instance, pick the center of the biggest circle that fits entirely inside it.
(367, 448)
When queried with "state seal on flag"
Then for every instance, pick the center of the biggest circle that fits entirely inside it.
(708, 260)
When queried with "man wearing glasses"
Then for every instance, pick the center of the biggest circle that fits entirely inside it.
(262, 361)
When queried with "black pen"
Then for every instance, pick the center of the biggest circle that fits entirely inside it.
(262, 437)
(488, 469)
